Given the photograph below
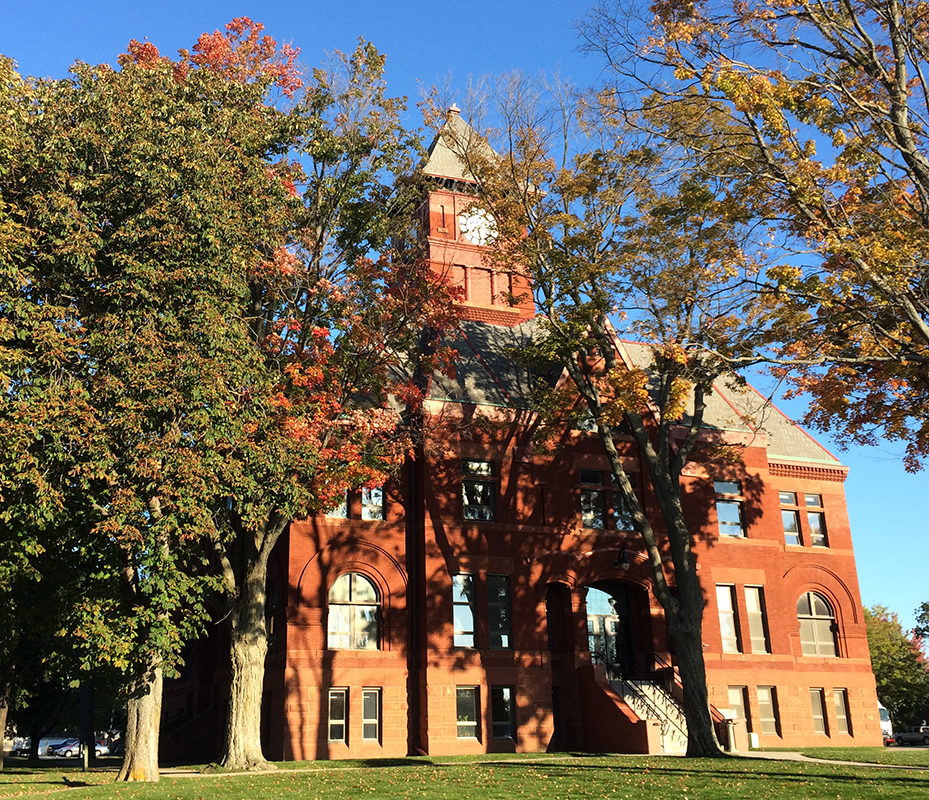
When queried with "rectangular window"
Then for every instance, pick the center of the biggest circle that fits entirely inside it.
(463, 609)
(767, 710)
(340, 627)
(757, 619)
(478, 489)
(790, 516)
(816, 520)
(842, 716)
(341, 510)
(728, 619)
(338, 715)
(738, 702)
(371, 715)
(600, 494)
(593, 499)
(818, 705)
(467, 706)
(729, 502)
(501, 712)
(372, 503)
(498, 609)
(593, 505)
(622, 513)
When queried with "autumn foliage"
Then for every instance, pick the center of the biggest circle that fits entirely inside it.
(203, 318)
(826, 110)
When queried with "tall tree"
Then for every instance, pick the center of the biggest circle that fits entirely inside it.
(900, 666)
(202, 332)
(607, 228)
(922, 621)
(338, 317)
(146, 194)
(830, 100)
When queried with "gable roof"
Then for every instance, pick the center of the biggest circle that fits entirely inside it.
(735, 405)
(485, 374)
(444, 157)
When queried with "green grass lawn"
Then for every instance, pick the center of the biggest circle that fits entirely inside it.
(905, 756)
(630, 777)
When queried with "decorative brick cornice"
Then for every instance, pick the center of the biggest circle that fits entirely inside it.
(499, 315)
(783, 470)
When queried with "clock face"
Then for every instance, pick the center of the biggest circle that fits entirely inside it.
(477, 226)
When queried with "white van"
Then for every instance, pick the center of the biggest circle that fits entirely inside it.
(887, 728)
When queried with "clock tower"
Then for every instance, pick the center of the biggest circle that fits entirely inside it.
(458, 234)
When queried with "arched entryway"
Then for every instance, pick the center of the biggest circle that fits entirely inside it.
(606, 624)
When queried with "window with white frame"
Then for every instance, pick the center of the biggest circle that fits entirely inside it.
(818, 707)
(371, 715)
(790, 517)
(729, 508)
(842, 716)
(466, 698)
(757, 619)
(768, 714)
(728, 619)
(463, 610)
(498, 610)
(340, 511)
(338, 715)
(816, 520)
(353, 613)
(502, 714)
(478, 489)
(817, 625)
(372, 503)
(738, 702)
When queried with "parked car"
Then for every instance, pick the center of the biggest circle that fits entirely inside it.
(72, 747)
(51, 745)
(68, 748)
(917, 734)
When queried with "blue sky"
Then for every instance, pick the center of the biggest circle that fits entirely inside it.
(426, 43)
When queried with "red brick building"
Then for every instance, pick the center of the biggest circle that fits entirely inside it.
(491, 599)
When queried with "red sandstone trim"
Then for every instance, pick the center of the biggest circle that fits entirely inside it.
(781, 470)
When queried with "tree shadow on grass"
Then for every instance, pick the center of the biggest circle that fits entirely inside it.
(889, 778)
(398, 762)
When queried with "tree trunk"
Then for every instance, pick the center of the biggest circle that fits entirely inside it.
(684, 612)
(143, 726)
(4, 709)
(249, 645)
(87, 721)
(686, 627)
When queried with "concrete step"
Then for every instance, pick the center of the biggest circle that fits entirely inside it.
(673, 724)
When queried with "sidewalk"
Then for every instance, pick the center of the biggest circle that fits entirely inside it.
(783, 755)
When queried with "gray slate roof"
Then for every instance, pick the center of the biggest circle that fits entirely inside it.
(486, 374)
(737, 406)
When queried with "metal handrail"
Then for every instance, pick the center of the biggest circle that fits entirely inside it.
(626, 686)
(662, 679)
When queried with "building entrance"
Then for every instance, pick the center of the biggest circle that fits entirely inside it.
(609, 632)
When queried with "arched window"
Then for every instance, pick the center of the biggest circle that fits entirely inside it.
(353, 613)
(817, 625)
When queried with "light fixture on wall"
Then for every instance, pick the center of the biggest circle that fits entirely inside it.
(622, 561)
